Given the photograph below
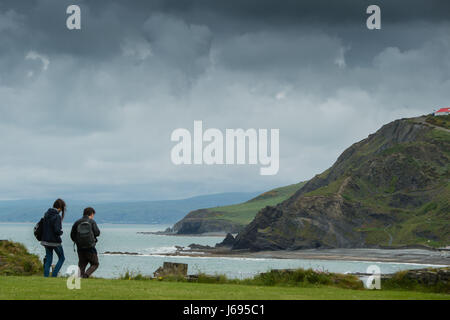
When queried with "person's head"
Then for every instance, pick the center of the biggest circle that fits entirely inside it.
(89, 212)
(60, 205)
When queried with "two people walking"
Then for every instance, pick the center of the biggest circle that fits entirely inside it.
(84, 233)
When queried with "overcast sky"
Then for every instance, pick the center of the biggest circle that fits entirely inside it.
(88, 114)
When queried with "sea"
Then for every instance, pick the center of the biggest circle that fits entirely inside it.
(151, 247)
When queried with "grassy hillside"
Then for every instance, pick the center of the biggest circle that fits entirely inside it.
(244, 213)
(234, 217)
(390, 189)
(424, 211)
(441, 121)
(15, 260)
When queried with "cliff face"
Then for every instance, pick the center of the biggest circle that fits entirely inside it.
(203, 221)
(390, 189)
(233, 218)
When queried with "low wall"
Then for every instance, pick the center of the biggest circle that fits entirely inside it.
(429, 276)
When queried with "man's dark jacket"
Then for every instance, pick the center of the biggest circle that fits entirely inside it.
(52, 230)
(95, 229)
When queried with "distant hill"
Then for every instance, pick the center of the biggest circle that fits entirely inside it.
(390, 189)
(152, 212)
(231, 218)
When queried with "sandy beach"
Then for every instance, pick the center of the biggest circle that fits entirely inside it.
(415, 256)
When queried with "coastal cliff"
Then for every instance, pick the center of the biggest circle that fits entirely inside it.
(233, 218)
(390, 189)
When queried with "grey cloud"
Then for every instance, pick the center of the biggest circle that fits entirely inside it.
(287, 53)
(97, 121)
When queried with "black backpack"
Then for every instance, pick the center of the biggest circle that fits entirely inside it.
(85, 235)
(39, 230)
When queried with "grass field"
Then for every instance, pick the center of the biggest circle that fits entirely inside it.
(37, 287)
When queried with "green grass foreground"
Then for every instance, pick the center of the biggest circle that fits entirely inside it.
(37, 287)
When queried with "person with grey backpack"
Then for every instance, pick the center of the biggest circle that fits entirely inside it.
(84, 233)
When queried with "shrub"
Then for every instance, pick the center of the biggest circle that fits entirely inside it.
(300, 277)
(402, 281)
(15, 260)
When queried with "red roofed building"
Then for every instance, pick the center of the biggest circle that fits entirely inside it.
(442, 112)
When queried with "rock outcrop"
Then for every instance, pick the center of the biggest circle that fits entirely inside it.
(227, 242)
(429, 277)
(171, 269)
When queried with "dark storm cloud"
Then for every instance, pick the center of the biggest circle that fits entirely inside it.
(294, 11)
(106, 21)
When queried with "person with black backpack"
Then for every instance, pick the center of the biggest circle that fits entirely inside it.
(50, 236)
(84, 233)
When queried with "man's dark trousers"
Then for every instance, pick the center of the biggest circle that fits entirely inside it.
(87, 256)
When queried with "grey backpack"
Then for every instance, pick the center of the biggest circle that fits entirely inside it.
(85, 235)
